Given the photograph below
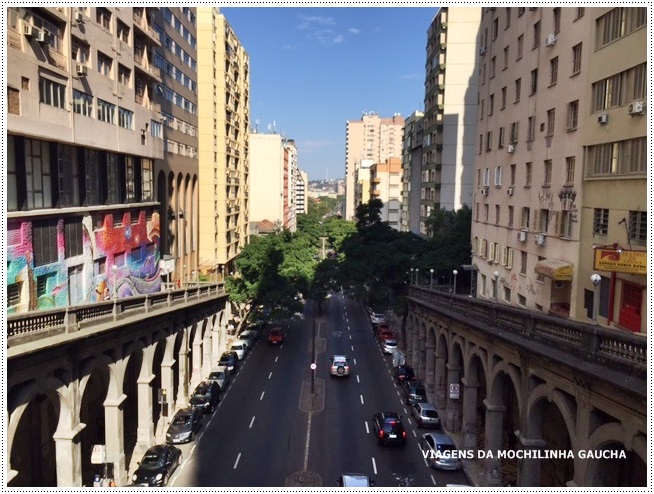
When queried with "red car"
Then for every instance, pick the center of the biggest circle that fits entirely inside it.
(276, 336)
(385, 334)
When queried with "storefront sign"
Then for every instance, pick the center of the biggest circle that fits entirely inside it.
(621, 261)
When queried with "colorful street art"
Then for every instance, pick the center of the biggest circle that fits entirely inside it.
(133, 246)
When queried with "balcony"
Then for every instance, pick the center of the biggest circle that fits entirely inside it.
(143, 100)
(143, 64)
(141, 22)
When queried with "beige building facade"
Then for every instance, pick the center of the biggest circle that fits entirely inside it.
(371, 138)
(223, 95)
(386, 185)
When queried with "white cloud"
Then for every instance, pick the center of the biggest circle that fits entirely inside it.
(338, 39)
(307, 21)
(312, 146)
(353, 30)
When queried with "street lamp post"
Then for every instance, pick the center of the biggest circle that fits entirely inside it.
(496, 275)
(431, 278)
(411, 277)
(114, 268)
(597, 280)
(416, 276)
(454, 272)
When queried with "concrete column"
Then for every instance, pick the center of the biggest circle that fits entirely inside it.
(167, 386)
(421, 357)
(215, 342)
(529, 468)
(69, 456)
(469, 419)
(145, 427)
(207, 362)
(181, 400)
(453, 415)
(429, 368)
(114, 437)
(440, 398)
(409, 340)
(493, 436)
(196, 374)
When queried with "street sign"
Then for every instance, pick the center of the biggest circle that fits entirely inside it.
(313, 366)
(454, 391)
(98, 454)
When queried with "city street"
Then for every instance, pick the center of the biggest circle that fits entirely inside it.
(259, 437)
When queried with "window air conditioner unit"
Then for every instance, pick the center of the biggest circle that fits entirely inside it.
(603, 118)
(636, 108)
(443, 25)
(522, 236)
(441, 66)
(510, 148)
(78, 17)
(29, 30)
(550, 40)
(484, 191)
(81, 70)
(441, 87)
(443, 46)
(43, 37)
(540, 240)
(509, 191)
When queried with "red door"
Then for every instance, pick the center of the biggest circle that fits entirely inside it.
(630, 308)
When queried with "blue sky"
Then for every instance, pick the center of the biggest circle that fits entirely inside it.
(312, 69)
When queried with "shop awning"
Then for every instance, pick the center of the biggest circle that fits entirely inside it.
(555, 269)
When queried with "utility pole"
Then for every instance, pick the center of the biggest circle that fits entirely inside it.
(323, 246)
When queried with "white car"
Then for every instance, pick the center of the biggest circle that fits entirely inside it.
(339, 366)
(377, 318)
(240, 347)
(389, 345)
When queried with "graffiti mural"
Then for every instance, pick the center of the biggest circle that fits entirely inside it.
(130, 242)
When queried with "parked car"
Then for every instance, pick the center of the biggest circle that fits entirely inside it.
(339, 366)
(240, 347)
(354, 480)
(249, 335)
(221, 376)
(385, 334)
(376, 318)
(388, 428)
(440, 451)
(276, 336)
(425, 415)
(414, 392)
(389, 345)
(229, 360)
(185, 424)
(157, 465)
(403, 373)
(206, 396)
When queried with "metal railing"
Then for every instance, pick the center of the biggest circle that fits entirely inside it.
(34, 325)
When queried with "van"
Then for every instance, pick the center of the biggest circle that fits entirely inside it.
(240, 347)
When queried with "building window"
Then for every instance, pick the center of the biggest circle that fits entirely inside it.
(496, 27)
(536, 35)
(73, 237)
(156, 129)
(573, 115)
(507, 17)
(68, 176)
(482, 107)
(44, 242)
(557, 19)
(147, 179)
(113, 179)
(638, 78)
(491, 104)
(92, 177)
(492, 67)
(576, 59)
(38, 174)
(52, 93)
(600, 222)
(503, 98)
(534, 81)
(124, 75)
(123, 32)
(103, 17)
(485, 213)
(507, 294)
(521, 39)
(104, 64)
(622, 157)
(540, 277)
(497, 214)
(523, 262)
(580, 12)
(489, 140)
(106, 111)
(554, 70)
(510, 222)
(531, 129)
(500, 140)
(518, 87)
(514, 132)
(618, 23)
(80, 51)
(82, 103)
(524, 218)
(542, 220)
(522, 301)
(638, 227)
(129, 179)
(498, 176)
(551, 115)
(125, 118)
(564, 223)
(505, 60)
(570, 170)
(512, 175)
(547, 168)
(528, 174)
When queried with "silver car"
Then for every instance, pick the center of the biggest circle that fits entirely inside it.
(221, 375)
(390, 345)
(440, 451)
(339, 366)
(425, 415)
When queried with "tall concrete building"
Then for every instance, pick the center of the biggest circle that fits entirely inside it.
(411, 173)
(561, 161)
(224, 103)
(386, 185)
(301, 192)
(82, 138)
(450, 111)
(273, 168)
(371, 138)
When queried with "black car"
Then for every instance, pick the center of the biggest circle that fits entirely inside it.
(388, 428)
(414, 392)
(206, 396)
(157, 465)
(185, 424)
(403, 373)
(229, 360)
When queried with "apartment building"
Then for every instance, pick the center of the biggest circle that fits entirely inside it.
(223, 114)
(301, 192)
(450, 111)
(83, 135)
(386, 185)
(411, 173)
(273, 168)
(372, 138)
(548, 151)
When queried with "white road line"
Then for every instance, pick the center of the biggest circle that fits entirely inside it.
(350, 336)
(405, 412)
(236, 462)
(276, 358)
(414, 433)
(190, 453)
(355, 361)
(358, 378)
(262, 393)
(374, 465)
(251, 422)
(409, 419)
(281, 346)
(270, 375)
(367, 428)
(432, 478)
(401, 402)
(306, 444)
(352, 347)
(361, 396)
(398, 392)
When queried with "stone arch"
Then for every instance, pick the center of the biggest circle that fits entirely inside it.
(454, 373)
(430, 358)
(474, 394)
(440, 369)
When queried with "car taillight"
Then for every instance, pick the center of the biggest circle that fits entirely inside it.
(381, 434)
(404, 434)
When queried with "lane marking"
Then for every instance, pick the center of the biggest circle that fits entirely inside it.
(276, 358)
(350, 336)
(270, 375)
(190, 453)
(406, 413)
(263, 393)
(352, 347)
(251, 422)
(398, 392)
(414, 433)
(409, 419)
(355, 361)
(367, 428)
(374, 465)
(361, 396)
(432, 479)
(401, 402)
(236, 463)
(358, 378)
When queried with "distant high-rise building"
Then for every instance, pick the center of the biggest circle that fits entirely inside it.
(450, 111)
(411, 173)
(372, 138)
(301, 192)
(224, 103)
(386, 185)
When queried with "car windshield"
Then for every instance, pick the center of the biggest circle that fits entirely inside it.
(392, 426)
(445, 447)
(152, 460)
(432, 414)
(182, 420)
(237, 347)
(216, 375)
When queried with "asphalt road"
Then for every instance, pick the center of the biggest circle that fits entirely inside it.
(259, 437)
